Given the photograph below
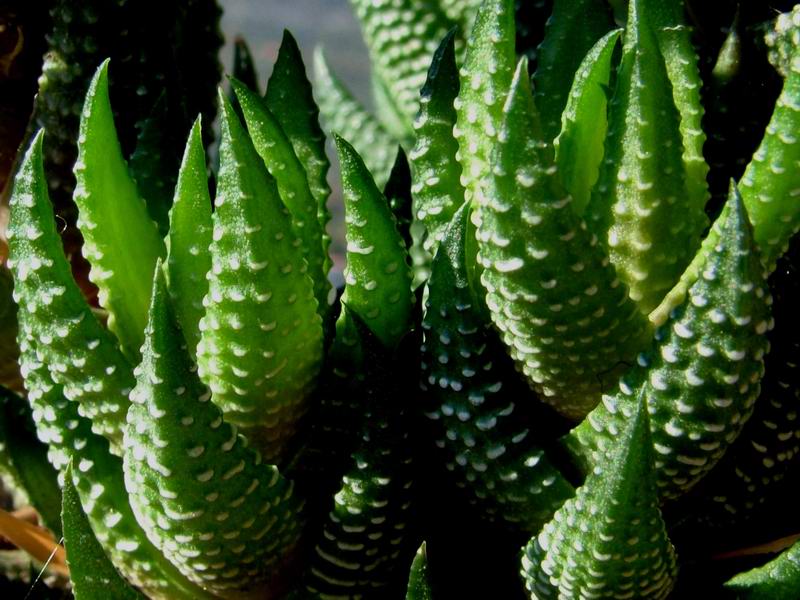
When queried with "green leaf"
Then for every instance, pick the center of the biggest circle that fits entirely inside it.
(377, 275)
(701, 376)
(188, 256)
(343, 114)
(563, 314)
(261, 336)
(290, 99)
(80, 354)
(640, 206)
(771, 182)
(479, 409)
(680, 59)
(92, 575)
(611, 536)
(366, 534)
(24, 458)
(401, 38)
(436, 174)
(579, 147)
(485, 79)
(274, 147)
(419, 585)
(113, 217)
(571, 31)
(758, 464)
(188, 472)
(779, 579)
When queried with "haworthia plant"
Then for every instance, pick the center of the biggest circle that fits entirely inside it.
(702, 375)
(261, 336)
(224, 518)
(480, 414)
(609, 541)
(562, 311)
(277, 443)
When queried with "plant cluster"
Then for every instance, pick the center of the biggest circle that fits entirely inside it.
(581, 376)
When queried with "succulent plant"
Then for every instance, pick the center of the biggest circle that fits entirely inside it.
(587, 375)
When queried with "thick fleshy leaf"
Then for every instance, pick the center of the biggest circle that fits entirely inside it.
(92, 575)
(572, 30)
(485, 79)
(189, 473)
(579, 147)
(779, 579)
(261, 336)
(563, 313)
(377, 275)
(419, 585)
(188, 256)
(771, 183)
(80, 354)
(757, 466)
(23, 458)
(436, 173)
(609, 541)
(681, 61)
(364, 543)
(701, 377)
(343, 114)
(401, 38)
(275, 148)
(640, 206)
(480, 414)
(290, 99)
(113, 216)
